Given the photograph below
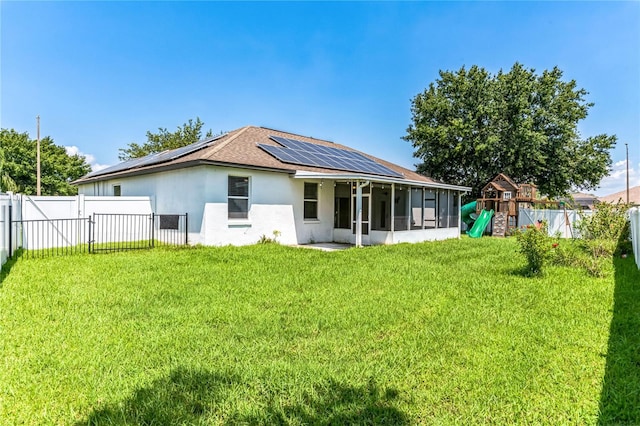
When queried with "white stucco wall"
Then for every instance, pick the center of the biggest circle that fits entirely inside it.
(276, 204)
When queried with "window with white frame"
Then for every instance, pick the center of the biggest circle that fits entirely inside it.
(506, 195)
(238, 197)
(117, 190)
(310, 201)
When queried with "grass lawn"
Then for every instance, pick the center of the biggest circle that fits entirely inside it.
(435, 333)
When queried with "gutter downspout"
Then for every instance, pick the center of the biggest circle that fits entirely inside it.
(359, 187)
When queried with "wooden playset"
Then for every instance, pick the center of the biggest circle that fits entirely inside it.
(505, 198)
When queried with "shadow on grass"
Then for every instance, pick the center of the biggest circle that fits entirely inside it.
(198, 397)
(620, 397)
(6, 268)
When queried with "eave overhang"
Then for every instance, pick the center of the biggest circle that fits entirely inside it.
(301, 174)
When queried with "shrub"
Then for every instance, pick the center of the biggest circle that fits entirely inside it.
(535, 245)
(604, 234)
(270, 240)
(608, 222)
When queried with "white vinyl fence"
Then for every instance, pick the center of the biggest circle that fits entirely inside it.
(6, 202)
(634, 218)
(559, 221)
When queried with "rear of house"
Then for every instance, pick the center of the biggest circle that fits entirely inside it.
(256, 181)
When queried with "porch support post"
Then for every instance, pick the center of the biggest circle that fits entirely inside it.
(393, 208)
(409, 209)
(448, 205)
(459, 214)
(422, 206)
(358, 214)
(437, 212)
(359, 187)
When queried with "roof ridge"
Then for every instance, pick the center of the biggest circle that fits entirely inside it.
(219, 146)
(296, 134)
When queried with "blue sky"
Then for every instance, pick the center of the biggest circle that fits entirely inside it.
(100, 74)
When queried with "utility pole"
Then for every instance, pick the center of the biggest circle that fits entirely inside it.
(38, 159)
(627, 147)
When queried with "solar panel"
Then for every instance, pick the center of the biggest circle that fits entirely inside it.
(158, 157)
(294, 151)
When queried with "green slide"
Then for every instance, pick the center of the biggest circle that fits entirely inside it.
(481, 223)
(468, 214)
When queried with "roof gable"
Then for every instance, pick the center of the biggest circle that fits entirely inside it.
(501, 183)
(634, 196)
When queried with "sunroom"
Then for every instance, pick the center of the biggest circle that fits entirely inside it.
(370, 210)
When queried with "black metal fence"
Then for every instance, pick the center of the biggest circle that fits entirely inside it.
(99, 233)
(49, 237)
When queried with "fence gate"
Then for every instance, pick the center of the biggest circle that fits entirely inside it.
(99, 233)
(119, 232)
(49, 237)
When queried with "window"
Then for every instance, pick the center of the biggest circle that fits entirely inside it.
(310, 201)
(238, 200)
(117, 190)
(506, 195)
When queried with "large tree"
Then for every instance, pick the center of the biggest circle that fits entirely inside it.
(469, 125)
(57, 168)
(6, 183)
(163, 140)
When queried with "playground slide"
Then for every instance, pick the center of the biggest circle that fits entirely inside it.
(481, 223)
(468, 214)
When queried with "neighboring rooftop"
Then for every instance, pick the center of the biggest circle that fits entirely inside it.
(582, 200)
(634, 196)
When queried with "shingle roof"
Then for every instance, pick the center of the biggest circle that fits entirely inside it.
(502, 183)
(634, 196)
(240, 148)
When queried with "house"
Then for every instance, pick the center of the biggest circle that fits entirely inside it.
(634, 196)
(581, 200)
(253, 181)
(505, 197)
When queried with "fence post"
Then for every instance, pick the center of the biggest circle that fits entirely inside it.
(80, 205)
(10, 232)
(186, 229)
(153, 226)
(91, 231)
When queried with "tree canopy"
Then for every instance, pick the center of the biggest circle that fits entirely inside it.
(57, 168)
(163, 140)
(469, 125)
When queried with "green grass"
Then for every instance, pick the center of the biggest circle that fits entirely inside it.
(436, 333)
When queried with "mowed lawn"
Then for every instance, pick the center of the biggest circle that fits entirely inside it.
(435, 333)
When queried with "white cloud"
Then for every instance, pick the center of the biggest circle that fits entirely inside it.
(616, 181)
(90, 159)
